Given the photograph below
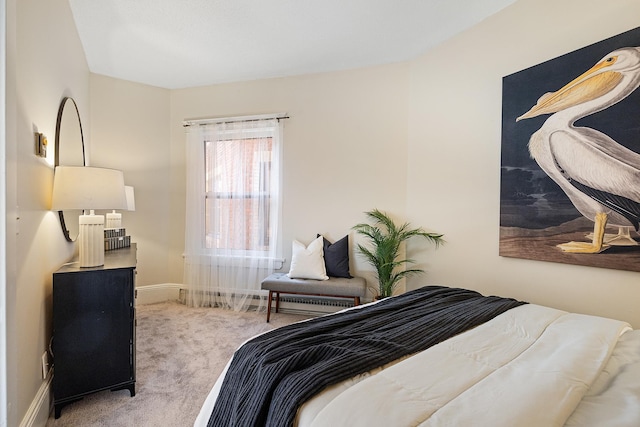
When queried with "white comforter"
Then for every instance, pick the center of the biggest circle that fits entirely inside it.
(531, 366)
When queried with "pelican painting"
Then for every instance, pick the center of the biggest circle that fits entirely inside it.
(599, 176)
(570, 157)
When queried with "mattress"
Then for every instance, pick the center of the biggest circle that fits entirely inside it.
(530, 366)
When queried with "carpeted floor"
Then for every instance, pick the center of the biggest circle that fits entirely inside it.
(180, 352)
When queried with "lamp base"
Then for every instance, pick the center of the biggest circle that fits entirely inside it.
(91, 240)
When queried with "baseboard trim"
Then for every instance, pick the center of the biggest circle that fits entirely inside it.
(40, 407)
(152, 294)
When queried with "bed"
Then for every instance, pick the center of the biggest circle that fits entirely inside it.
(434, 356)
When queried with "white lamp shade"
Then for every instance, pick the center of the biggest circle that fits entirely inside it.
(131, 201)
(87, 188)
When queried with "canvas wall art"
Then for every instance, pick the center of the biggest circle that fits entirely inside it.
(570, 159)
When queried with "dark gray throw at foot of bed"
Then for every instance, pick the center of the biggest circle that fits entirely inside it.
(273, 374)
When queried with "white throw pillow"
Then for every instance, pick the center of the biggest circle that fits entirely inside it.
(308, 263)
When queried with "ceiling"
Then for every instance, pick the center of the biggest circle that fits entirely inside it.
(187, 43)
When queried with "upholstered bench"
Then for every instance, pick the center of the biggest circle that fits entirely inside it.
(337, 287)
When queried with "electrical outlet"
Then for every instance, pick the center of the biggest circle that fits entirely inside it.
(45, 365)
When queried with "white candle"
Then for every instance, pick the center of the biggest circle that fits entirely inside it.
(114, 220)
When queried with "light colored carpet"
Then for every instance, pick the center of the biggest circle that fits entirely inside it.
(180, 353)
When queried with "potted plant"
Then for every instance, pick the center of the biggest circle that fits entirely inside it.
(386, 238)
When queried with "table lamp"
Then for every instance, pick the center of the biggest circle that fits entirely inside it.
(89, 189)
(114, 219)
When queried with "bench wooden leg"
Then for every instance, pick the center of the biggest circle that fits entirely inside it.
(277, 301)
(356, 300)
(269, 306)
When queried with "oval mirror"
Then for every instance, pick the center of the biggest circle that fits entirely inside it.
(69, 151)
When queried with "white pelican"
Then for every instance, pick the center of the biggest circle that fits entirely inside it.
(600, 176)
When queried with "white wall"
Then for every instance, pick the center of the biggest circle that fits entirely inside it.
(454, 153)
(8, 387)
(130, 132)
(344, 145)
(344, 152)
(49, 63)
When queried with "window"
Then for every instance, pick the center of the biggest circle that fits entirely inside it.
(238, 175)
(232, 211)
(233, 188)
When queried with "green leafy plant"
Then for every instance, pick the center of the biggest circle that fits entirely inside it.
(386, 238)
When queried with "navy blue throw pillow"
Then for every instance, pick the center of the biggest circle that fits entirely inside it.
(336, 257)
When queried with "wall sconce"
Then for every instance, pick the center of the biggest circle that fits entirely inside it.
(89, 188)
(41, 144)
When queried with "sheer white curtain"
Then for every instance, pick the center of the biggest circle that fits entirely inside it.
(232, 212)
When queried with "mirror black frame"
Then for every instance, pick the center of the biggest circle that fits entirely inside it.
(63, 103)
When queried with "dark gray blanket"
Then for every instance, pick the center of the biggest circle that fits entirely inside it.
(273, 374)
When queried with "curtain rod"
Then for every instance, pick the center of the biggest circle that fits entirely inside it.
(212, 120)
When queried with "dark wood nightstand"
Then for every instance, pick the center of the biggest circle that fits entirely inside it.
(94, 328)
